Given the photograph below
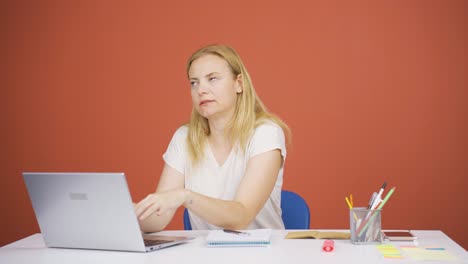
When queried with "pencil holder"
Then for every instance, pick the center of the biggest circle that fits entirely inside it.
(365, 226)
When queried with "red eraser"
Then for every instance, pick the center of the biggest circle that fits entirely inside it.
(328, 245)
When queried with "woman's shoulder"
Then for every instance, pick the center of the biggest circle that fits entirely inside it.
(268, 126)
(268, 135)
(267, 131)
(182, 130)
(181, 133)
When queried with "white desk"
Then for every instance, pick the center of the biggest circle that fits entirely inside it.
(32, 250)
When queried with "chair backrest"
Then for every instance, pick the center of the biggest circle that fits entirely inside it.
(296, 213)
(187, 225)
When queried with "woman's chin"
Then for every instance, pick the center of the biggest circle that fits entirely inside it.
(205, 114)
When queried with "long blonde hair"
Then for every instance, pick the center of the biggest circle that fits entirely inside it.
(249, 113)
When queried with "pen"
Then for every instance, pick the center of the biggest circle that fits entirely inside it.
(378, 198)
(366, 223)
(372, 199)
(382, 189)
(235, 232)
(386, 197)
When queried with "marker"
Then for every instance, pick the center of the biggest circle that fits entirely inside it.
(328, 245)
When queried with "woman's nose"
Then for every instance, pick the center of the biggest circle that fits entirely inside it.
(202, 88)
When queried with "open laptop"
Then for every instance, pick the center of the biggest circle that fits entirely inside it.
(89, 211)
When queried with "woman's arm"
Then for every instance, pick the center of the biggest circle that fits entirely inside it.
(152, 216)
(254, 190)
(157, 210)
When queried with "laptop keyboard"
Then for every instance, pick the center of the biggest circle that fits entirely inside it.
(149, 242)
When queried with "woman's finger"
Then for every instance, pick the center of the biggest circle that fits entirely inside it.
(143, 205)
(149, 211)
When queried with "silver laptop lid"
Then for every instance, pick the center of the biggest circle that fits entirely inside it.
(85, 210)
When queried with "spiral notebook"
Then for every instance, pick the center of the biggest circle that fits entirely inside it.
(249, 238)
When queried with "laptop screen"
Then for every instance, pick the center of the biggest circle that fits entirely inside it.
(86, 210)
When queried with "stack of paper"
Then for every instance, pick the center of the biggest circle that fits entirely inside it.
(250, 238)
(428, 253)
(389, 251)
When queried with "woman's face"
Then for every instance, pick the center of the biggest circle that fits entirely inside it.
(214, 89)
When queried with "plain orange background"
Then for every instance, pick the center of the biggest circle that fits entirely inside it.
(373, 91)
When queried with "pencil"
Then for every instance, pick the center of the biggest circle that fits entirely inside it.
(350, 205)
(369, 220)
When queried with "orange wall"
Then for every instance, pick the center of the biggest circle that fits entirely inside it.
(373, 92)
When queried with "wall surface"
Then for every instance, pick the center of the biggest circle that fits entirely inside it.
(373, 91)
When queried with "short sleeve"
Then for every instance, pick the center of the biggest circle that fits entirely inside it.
(268, 136)
(176, 153)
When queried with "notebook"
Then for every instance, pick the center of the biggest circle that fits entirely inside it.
(318, 234)
(89, 211)
(249, 238)
(400, 235)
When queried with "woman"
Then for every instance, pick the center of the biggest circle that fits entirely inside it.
(226, 165)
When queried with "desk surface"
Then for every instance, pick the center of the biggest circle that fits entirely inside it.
(32, 250)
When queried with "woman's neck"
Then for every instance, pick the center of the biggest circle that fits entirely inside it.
(219, 142)
(218, 134)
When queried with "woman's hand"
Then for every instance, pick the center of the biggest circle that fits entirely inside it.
(160, 203)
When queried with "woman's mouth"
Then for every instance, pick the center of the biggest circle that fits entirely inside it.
(205, 102)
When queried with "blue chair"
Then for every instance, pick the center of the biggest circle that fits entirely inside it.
(296, 213)
(187, 225)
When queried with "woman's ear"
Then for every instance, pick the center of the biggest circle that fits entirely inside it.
(239, 84)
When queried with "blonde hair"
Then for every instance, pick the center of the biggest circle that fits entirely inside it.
(250, 112)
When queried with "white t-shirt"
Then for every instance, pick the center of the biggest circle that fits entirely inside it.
(222, 182)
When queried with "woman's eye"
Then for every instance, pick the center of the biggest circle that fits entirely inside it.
(212, 78)
(193, 84)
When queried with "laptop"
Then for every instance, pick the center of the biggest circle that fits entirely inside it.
(89, 211)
